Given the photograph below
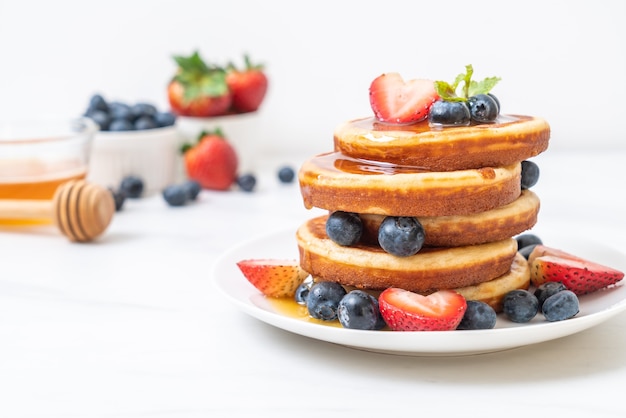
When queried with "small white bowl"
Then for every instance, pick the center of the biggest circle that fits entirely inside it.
(241, 130)
(152, 155)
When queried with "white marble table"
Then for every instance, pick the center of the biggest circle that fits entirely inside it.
(131, 326)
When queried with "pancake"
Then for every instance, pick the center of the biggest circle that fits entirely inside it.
(431, 269)
(333, 182)
(510, 139)
(493, 291)
(458, 230)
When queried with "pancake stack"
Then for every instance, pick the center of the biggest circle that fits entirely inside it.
(463, 184)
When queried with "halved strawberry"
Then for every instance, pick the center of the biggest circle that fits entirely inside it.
(273, 277)
(403, 310)
(398, 102)
(579, 275)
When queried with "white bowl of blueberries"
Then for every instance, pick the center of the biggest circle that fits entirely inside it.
(135, 139)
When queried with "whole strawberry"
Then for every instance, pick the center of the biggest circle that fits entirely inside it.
(579, 275)
(212, 162)
(248, 86)
(198, 89)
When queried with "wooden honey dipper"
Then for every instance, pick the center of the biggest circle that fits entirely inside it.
(81, 210)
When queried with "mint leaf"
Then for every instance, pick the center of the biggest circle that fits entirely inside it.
(482, 87)
(470, 88)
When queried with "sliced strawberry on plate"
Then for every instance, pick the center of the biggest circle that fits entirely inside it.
(273, 277)
(408, 311)
(395, 101)
(579, 275)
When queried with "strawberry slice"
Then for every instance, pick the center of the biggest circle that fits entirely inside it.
(273, 277)
(579, 275)
(403, 310)
(398, 102)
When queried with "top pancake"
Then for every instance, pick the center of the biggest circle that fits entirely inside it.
(510, 139)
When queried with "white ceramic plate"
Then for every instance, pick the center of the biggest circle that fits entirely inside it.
(594, 309)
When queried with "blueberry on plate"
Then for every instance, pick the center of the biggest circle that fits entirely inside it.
(401, 236)
(478, 315)
(527, 239)
(547, 289)
(344, 228)
(561, 306)
(302, 291)
(520, 305)
(359, 310)
(323, 300)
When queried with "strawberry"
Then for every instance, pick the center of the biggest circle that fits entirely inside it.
(212, 162)
(579, 275)
(248, 86)
(198, 89)
(398, 102)
(273, 277)
(403, 310)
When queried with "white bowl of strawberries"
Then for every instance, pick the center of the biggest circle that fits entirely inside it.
(208, 97)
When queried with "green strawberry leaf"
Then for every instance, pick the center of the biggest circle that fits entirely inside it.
(200, 79)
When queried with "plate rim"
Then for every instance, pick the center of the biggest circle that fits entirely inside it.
(435, 343)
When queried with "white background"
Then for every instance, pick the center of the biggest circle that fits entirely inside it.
(563, 60)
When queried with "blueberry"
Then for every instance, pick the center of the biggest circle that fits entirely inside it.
(145, 122)
(525, 251)
(344, 228)
(286, 174)
(97, 102)
(520, 305)
(495, 99)
(547, 289)
(175, 195)
(119, 110)
(530, 174)
(478, 315)
(102, 118)
(527, 239)
(483, 108)
(302, 291)
(132, 186)
(246, 182)
(359, 310)
(561, 306)
(192, 188)
(119, 125)
(165, 118)
(445, 113)
(119, 198)
(144, 109)
(323, 300)
(401, 236)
